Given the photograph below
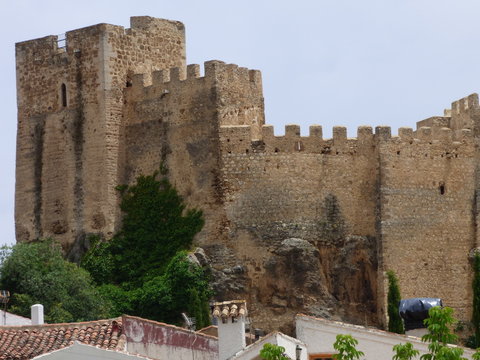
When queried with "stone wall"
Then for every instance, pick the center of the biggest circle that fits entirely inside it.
(427, 227)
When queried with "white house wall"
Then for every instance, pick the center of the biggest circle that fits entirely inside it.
(252, 351)
(86, 352)
(320, 335)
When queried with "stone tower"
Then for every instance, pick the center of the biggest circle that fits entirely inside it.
(70, 101)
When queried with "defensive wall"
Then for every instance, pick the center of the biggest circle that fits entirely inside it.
(116, 103)
(413, 192)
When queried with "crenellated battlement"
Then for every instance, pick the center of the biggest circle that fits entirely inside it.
(73, 39)
(158, 82)
(240, 139)
(465, 104)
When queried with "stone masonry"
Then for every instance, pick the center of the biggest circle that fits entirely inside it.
(293, 223)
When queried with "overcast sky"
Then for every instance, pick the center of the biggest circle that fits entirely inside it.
(351, 63)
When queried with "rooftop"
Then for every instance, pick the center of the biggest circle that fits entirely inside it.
(26, 342)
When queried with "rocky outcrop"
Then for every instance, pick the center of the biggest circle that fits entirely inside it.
(297, 276)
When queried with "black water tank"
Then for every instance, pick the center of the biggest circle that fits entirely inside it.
(414, 311)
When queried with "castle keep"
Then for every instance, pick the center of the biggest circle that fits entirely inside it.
(293, 223)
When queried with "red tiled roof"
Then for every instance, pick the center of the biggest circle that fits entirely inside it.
(26, 342)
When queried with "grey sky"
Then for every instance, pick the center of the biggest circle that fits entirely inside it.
(337, 62)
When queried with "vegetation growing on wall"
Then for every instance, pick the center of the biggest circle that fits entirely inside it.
(395, 323)
(37, 273)
(144, 269)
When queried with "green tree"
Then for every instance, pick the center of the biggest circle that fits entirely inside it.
(273, 352)
(395, 323)
(404, 352)
(345, 345)
(155, 227)
(144, 269)
(438, 323)
(37, 273)
(182, 288)
(476, 298)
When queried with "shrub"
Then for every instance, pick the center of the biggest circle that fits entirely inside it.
(395, 323)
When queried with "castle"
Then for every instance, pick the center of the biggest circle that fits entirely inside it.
(293, 223)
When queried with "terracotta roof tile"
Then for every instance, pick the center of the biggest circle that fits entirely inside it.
(26, 342)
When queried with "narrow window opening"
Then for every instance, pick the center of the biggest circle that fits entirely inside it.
(64, 95)
(442, 189)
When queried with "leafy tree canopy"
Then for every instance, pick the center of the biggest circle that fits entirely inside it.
(37, 273)
(273, 352)
(346, 346)
(155, 227)
(404, 352)
(144, 269)
(439, 322)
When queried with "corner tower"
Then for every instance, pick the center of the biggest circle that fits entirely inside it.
(70, 99)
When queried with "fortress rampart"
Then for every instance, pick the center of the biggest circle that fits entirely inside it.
(115, 103)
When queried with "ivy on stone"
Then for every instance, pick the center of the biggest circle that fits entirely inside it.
(144, 269)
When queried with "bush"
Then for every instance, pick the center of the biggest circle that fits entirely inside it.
(395, 323)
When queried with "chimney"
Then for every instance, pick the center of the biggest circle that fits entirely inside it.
(231, 327)
(37, 314)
